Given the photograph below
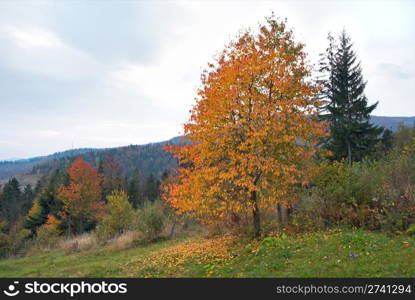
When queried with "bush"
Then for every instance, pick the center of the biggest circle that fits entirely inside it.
(19, 239)
(4, 239)
(48, 234)
(46, 239)
(151, 220)
(339, 194)
(104, 232)
(119, 218)
(14, 240)
(377, 195)
(411, 230)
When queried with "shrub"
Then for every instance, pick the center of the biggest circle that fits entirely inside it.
(118, 219)
(370, 194)
(46, 239)
(397, 191)
(339, 194)
(4, 239)
(103, 232)
(411, 230)
(14, 240)
(151, 220)
(19, 239)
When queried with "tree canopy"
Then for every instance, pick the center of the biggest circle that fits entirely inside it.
(253, 129)
(81, 198)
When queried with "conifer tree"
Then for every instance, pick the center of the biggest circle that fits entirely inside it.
(110, 170)
(352, 135)
(151, 188)
(10, 200)
(134, 190)
(46, 202)
(27, 198)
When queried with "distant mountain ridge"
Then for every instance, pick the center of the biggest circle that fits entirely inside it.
(10, 168)
(11, 159)
(55, 155)
(148, 158)
(393, 123)
(129, 157)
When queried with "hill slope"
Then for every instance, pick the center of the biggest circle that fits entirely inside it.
(332, 253)
(149, 158)
(13, 167)
(393, 123)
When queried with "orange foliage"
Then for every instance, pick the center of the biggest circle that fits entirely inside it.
(52, 225)
(253, 130)
(81, 198)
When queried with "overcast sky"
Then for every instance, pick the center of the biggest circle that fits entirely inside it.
(112, 73)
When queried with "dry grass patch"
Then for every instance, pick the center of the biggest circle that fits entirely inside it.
(124, 241)
(82, 242)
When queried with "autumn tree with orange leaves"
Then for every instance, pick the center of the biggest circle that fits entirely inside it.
(253, 130)
(81, 198)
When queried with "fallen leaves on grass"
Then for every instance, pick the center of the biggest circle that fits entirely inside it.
(169, 261)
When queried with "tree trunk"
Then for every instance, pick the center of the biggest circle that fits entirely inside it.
(173, 227)
(255, 215)
(81, 225)
(282, 215)
(349, 154)
(69, 227)
(279, 221)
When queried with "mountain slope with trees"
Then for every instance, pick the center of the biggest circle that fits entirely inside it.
(9, 169)
(148, 158)
(392, 123)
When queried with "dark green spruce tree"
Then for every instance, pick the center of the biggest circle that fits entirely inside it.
(47, 201)
(151, 188)
(134, 190)
(10, 201)
(352, 136)
(27, 198)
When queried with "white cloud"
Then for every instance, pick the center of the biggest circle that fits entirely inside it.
(40, 51)
(32, 37)
(46, 133)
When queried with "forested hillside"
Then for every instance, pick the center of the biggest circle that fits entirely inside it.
(20, 166)
(149, 159)
(392, 123)
(137, 169)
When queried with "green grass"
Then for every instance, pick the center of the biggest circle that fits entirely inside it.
(327, 254)
(101, 263)
(335, 253)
